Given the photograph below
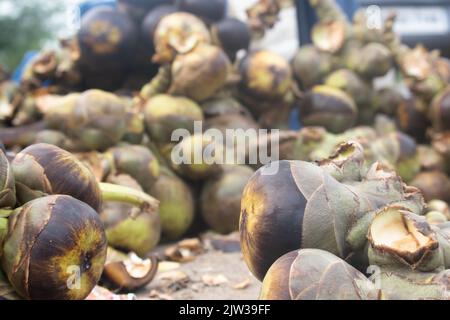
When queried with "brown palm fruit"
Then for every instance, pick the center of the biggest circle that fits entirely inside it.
(106, 78)
(7, 183)
(138, 9)
(176, 33)
(130, 228)
(232, 35)
(433, 184)
(209, 10)
(412, 118)
(150, 23)
(439, 206)
(42, 169)
(360, 90)
(106, 38)
(265, 76)
(328, 107)
(387, 100)
(55, 138)
(440, 111)
(95, 119)
(221, 198)
(128, 272)
(176, 204)
(219, 106)
(164, 113)
(435, 217)
(430, 159)
(135, 128)
(375, 60)
(310, 66)
(136, 161)
(200, 73)
(227, 113)
(349, 82)
(294, 204)
(312, 274)
(97, 162)
(63, 241)
(99, 120)
(398, 151)
(440, 142)
(196, 157)
(232, 122)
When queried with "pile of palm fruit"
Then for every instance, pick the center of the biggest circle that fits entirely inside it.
(359, 208)
(90, 187)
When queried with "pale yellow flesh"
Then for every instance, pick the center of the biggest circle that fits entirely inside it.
(391, 230)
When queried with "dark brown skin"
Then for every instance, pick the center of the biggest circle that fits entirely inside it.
(136, 161)
(223, 106)
(232, 35)
(280, 230)
(221, 199)
(311, 65)
(137, 9)
(209, 10)
(440, 111)
(411, 119)
(105, 37)
(387, 100)
(200, 73)
(276, 284)
(312, 274)
(150, 22)
(328, 107)
(231, 121)
(434, 185)
(70, 234)
(265, 75)
(46, 169)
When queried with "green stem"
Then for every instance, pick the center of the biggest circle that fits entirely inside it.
(117, 193)
(5, 213)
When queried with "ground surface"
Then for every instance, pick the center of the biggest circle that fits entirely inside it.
(212, 274)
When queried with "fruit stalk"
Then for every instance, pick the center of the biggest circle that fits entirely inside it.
(117, 193)
(159, 84)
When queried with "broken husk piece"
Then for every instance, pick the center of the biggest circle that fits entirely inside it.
(128, 272)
